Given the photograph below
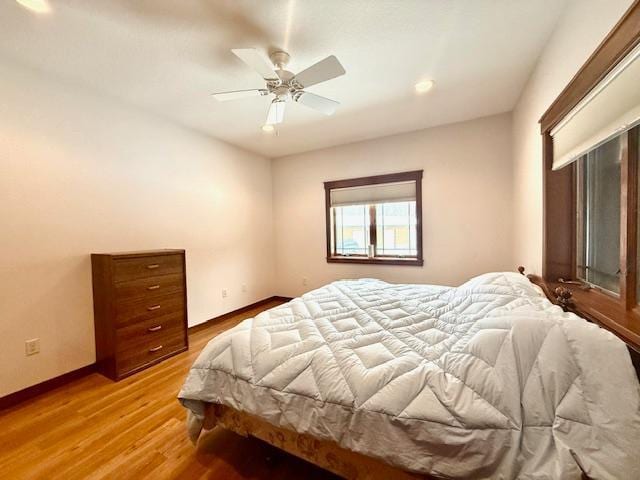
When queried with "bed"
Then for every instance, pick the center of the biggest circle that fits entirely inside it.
(376, 380)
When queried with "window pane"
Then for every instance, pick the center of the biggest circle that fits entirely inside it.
(352, 229)
(396, 229)
(598, 236)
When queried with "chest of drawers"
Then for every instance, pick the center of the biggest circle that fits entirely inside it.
(140, 309)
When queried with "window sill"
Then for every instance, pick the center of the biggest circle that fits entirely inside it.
(416, 262)
(607, 311)
(600, 308)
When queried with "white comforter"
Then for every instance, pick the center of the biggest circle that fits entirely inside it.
(486, 380)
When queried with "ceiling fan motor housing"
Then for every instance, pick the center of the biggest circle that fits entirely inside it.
(286, 87)
(282, 92)
(280, 59)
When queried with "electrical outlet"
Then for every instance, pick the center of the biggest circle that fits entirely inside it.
(305, 281)
(224, 293)
(31, 347)
(244, 288)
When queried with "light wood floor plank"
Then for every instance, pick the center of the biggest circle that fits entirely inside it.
(96, 429)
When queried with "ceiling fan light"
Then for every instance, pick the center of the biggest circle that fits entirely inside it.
(424, 86)
(267, 128)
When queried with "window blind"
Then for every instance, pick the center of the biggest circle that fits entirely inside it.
(371, 194)
(612, 107)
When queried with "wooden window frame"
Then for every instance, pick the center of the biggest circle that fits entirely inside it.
(333, 257)
(619, 314)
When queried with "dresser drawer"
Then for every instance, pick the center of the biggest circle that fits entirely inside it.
(148, 287)
(150, 333)
(141, 353)
(126, 269)
(143, 309)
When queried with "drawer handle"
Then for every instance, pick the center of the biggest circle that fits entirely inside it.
(153, 287)
(154, 329)
(153, 266)
(155, 349)
(153, 307)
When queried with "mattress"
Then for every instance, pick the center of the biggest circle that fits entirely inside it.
(485, 380)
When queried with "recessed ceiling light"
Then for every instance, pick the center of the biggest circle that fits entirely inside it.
(37, 6)
(267, 128)
(424, 86)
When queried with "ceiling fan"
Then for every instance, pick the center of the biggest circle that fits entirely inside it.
(284, 85)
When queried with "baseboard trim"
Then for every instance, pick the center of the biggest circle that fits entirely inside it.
(46, 386)
(259, 303)
(282, 299)
(33, 391)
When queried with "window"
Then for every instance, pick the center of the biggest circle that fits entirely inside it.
(591, 185)
(396, 229)
(598, 221)
(375, 219)
(352, 229)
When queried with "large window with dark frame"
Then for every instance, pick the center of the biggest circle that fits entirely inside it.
(598, 218)
(591, 181)
(597, 140)
(375, 219)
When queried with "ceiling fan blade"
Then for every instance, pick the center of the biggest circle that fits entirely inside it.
(276, 112)
(322, 71)
(321, 104)
(236, 94)
(257, 61)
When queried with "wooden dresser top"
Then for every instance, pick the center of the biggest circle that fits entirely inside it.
(141, 253)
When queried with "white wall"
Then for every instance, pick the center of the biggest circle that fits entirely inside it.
(80, 174)
(584, 24)
(467, 216)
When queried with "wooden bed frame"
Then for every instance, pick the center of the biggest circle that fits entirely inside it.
(325, 454)
(562, 295)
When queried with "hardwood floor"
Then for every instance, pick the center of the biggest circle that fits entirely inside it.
(94, 428)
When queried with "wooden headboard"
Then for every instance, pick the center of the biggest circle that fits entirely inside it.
(562, 295)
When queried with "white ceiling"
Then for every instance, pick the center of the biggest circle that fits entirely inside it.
(167, 56)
